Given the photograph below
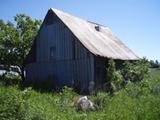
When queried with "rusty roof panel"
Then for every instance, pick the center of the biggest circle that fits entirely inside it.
(103, 42)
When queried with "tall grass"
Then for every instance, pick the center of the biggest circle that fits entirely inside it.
(140, 101)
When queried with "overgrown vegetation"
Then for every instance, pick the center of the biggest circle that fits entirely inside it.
(135, 71)
(140, 100)
(133, 100)
(114, 78)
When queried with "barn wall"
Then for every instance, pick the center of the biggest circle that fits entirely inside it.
(71, 63)
(100, 71)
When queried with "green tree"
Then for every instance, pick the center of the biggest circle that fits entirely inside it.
(16, 39)
(154, 64)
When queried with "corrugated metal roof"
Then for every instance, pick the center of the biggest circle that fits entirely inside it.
(103, 42)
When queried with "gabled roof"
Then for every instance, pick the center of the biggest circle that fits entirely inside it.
(103, 42)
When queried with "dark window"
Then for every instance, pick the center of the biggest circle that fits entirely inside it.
(52, 53)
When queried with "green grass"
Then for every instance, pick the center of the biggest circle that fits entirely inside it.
(155, 83)
(155, 73)
(139, 101)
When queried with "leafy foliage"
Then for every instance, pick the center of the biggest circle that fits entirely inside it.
(113, 77)
(11, 104)
(131, 72)
(136, 71)
(10, 80)
(16, 39)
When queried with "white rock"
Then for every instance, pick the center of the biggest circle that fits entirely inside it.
(84, 104)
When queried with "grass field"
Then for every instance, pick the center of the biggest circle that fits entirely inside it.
(155, 73)
(139, 101)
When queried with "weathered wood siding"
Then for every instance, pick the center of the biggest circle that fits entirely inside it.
(100, 72)
(72, 62)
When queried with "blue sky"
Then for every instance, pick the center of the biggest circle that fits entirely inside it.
(135, 22)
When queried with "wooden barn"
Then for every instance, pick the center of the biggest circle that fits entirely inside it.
(71, 51)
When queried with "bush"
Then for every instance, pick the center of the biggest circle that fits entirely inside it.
(135, 90)
(136, 71)
(11, 104)
(16, 105)
(114, 79)
(10, 80)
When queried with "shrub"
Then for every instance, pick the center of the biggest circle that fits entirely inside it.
(17, 105)
(135, 90)
(136, 71)
(11, 104)
(113, 77)
(10, 80)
